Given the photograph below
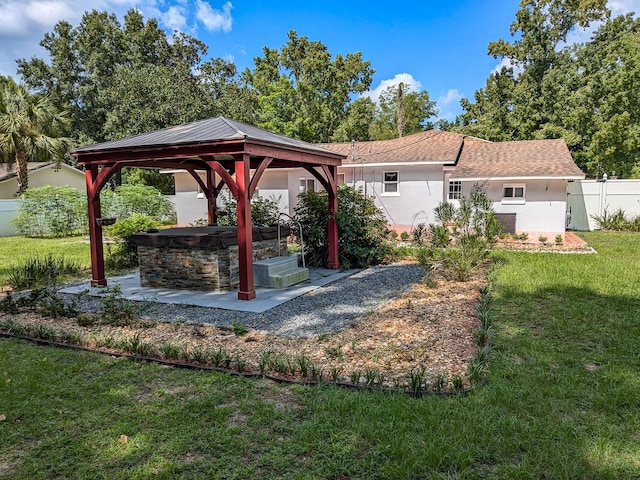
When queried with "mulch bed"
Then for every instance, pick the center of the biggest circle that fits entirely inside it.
(429, 328)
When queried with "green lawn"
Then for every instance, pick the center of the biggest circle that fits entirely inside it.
(562, 400)
(14, 250)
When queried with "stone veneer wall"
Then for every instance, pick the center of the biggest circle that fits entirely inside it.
(188, 268)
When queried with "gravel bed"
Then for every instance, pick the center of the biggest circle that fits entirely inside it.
(327, 309)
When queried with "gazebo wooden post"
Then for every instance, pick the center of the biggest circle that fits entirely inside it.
(332, 241)
(212, 197)
(245, 235)
(95, 230)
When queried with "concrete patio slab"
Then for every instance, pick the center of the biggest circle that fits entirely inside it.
(266, 298)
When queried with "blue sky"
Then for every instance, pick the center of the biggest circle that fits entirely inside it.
(439, 46)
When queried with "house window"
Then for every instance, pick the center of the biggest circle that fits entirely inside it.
(455, 190)
(513, 193)
(390, 181)
(307, 185)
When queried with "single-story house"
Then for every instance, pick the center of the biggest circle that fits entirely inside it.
(41, 174)
(408, 177)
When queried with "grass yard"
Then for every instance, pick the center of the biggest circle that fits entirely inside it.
(561, 400)
(14, 250)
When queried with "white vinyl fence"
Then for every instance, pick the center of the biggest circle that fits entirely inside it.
(8, 210)
(586, 198)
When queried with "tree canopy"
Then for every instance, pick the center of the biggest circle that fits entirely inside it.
(401, 112)
(31, 130)
(303, 91)
(123, 78)
(584, 93)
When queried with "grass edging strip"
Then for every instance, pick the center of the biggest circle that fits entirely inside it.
(195, 366)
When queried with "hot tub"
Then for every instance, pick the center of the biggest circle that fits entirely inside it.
(200, 258)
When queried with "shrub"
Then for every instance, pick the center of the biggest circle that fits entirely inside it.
(50, 210)
(617, 221)
(264, 211)
(40, 271)
(125, 254)
(419, 234)
(460, 247)
(127, 200)
(364, 236)
(440, 236)
(62, 211)
(445, 212)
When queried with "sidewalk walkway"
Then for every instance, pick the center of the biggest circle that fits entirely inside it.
(266, 298)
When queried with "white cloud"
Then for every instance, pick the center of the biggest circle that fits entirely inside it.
(620, 7)
(174, 18)
(23, 23)
(505, 62)
(47, 13)
(404, 78)
(581, 35)
(213, 19)
(449, 105)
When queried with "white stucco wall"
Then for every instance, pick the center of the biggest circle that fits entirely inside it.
(186, 183)
(590, 197)
(544, 207)
(273, 185)
(421, 188)
(192, 206)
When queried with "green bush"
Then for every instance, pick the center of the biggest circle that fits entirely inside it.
(125, 254)
(419, 234)
(62, 211)
(128, 199)
(459, 247)
(264, 211)
(41, 271)
(617, 221)
(50, 210)
(364, 236)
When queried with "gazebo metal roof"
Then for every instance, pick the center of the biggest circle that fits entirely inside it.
(219, 129)
(228, 151)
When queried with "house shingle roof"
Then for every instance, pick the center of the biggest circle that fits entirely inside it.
(431, 146)
(519, 159)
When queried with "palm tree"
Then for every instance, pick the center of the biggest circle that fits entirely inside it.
(31, 130)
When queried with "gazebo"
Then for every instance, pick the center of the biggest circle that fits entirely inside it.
(230, 153)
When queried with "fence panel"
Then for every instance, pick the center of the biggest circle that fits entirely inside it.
(8, 210)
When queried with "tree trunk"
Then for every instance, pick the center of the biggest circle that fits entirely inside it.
(22, 172)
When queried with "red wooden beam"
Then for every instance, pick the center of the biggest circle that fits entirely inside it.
(160, 154)
(323, 180)
(226, 177)
(245, 235)
(212, 197)
(264, 164)
(332, 240)
(95, 230)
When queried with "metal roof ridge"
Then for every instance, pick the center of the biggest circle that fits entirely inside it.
(231, 123)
